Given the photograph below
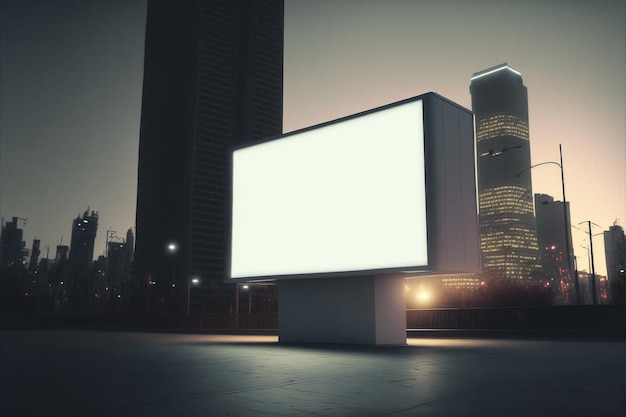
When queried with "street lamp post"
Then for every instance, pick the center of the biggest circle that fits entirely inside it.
(237, 300)
(172, 248)
(566, 221)
(149, 283)
(593, 267)
(189, 283)
(249, 290)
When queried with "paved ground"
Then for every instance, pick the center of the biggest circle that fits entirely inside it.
(82, 373)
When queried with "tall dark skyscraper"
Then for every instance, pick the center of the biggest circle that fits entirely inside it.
(84, 231)
(615, 253)
(80, 259)
(508, 236)
(213, 76)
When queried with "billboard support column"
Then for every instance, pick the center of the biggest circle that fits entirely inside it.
(366, 310)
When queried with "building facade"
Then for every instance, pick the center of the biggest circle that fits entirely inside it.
(507, 223)
(213, 75)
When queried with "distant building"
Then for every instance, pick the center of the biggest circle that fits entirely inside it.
(553, 246)
(13, 255)
(130, 243)
(61, 253)
(615, 253)
(213, 79)
(43, 271)
(12, 247)
(507, 223)
(117, 266)
(80, 260)
(84, 231)
(59, 271)
(34, 257)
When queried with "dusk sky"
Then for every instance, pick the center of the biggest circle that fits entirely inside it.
(71, 79)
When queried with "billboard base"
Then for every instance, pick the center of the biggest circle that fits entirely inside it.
(366, 310)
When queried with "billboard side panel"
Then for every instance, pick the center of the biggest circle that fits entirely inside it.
(451, 184)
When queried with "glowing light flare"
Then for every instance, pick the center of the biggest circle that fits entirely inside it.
(423, 296)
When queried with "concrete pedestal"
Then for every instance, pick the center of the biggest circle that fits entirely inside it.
(366, 310)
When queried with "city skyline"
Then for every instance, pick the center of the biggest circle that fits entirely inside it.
(71, 92)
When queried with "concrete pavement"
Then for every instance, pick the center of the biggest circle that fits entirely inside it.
(88, 373)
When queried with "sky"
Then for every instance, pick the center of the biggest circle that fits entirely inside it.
(71, 79)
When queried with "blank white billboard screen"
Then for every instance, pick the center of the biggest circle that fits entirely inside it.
(343, 197)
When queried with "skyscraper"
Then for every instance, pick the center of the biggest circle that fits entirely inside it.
(508, 236)
(80, 259)
(553, 246)
(12, 252)
(84, 231)
(615, 253)
(34, 257)
(212, 80)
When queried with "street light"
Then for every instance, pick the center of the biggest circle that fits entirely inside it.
(249, 291)
(493, 152)
(149, 283)
(565, 219)
(193, 281)
(593, 268)
(172, 248)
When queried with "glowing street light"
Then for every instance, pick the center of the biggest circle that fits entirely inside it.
(498, 152)
(193, 281)
(565, 220)
(249, 291)
(423, 296)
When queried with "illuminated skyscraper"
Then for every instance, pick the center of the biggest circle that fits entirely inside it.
(213, 76)
(507, 224)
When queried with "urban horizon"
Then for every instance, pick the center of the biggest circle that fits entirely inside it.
(298, 59)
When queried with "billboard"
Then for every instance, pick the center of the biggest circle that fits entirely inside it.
(345, 197)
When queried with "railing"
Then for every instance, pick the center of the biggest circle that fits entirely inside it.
(134, 321)
(501, 318)
(586, 317)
